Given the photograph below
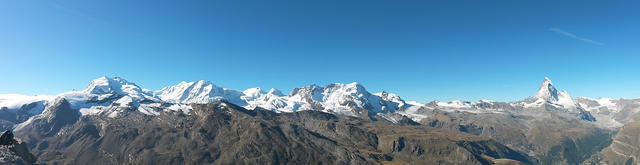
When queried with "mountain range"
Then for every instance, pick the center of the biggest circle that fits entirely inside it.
(551, 127)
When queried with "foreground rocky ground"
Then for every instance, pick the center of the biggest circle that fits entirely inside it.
(13, 151)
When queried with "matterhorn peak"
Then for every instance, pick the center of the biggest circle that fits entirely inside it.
(547, 91)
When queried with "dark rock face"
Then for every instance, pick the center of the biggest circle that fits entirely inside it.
(7, 138)
(586, 115)
(13, 151)
(407, 121)
(49, 123)
(222, 133)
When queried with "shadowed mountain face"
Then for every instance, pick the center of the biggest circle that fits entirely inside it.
(549, 137)
(223, 133)
(14, 151)
(49, 123)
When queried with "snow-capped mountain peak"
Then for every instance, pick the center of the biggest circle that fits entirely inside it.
(196, 92)
(257, 92)
(390, 97)
(115, 96)
(105, 85)
(253, 92)
(345, 99)
(337, 97)
(118, 86)
(549, 93)
(334, 94)
(275, 92)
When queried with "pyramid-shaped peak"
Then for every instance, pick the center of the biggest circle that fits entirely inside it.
(547, 91)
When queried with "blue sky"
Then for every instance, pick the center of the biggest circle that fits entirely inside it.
(421, 50)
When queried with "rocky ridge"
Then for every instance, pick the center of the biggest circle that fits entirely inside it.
(14, 151)
(548, 127)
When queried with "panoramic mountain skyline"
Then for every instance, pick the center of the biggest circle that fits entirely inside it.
(422, 50)
(319, 82)
(546, 81)
(548, 127)
(203, 91)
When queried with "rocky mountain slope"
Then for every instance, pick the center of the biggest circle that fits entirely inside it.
(549, 126)
(14, 151)
(223, 133)
(611, 113)
(625, 148)
(116, 121)
(547, 136)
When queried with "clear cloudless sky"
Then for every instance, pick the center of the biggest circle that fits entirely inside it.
(421, 50)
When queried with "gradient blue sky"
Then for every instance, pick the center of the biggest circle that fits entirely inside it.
(421, 50)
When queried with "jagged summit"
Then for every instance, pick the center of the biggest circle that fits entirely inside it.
(108, 95)
(548, 93)
(109, 100)
(337, 97)
(195, 92)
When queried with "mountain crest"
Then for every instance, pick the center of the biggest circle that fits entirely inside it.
(106, 85)
(550, 94)
(117, 86)
(275, 92)
(547, 91)
(198, 92)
